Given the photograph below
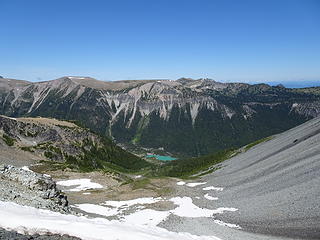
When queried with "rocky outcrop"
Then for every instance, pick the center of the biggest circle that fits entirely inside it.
(25, 187)
(307, 108)
(9, 235)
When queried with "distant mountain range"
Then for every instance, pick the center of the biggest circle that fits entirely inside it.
(296, 84)
(187, 117)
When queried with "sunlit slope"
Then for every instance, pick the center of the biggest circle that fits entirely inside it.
(275, 185)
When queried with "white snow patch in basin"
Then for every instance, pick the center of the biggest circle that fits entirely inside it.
(86, 193)
(195, 184)
(147, 217)
(115, 208)
(230, 225)
(150, 217)
(31, 220)
(82, 184)
(187, 209)
(97, 209)
(181, 183)
(26, 168)
(212, 188)
(129, 203)
(207, 196)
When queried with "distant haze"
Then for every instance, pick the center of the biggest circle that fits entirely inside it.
(297, 84)
(288, 84)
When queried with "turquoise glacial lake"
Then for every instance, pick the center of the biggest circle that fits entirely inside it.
(161, 158)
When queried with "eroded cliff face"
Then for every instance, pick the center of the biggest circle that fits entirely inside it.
(186, 116)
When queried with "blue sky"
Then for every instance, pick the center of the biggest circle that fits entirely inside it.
(271, 40)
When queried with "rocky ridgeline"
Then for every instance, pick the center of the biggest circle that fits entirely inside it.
(25, 187)
(5, 234)
(190, 117)
(48, 138)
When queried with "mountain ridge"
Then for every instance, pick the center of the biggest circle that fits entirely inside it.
(63, 143)
(188, 117)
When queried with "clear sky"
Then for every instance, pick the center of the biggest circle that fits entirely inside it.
(240, 40)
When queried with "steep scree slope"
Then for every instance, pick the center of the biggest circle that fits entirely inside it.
(275, 185)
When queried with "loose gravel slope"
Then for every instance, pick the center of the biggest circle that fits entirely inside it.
(274, 185)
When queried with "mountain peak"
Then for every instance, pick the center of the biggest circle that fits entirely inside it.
(185, 80)
(79, 77)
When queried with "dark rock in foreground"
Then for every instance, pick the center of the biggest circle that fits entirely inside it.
(4, 234)
(25, 187)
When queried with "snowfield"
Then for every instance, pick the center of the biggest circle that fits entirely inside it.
(149, 217)
(131, 219)
(31, 220)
